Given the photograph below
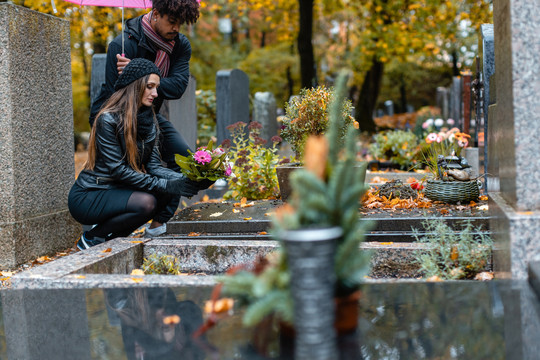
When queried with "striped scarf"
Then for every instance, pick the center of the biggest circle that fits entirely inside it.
(164, 48)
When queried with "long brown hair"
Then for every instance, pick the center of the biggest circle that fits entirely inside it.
(125, 103)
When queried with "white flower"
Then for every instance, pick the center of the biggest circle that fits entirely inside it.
(439, 122)
(429, 122)
(450, 122)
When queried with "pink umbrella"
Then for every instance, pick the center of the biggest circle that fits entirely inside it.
(139, 4)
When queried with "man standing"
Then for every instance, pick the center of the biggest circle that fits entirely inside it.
(155, 36)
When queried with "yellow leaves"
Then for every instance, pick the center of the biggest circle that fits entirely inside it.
(483, 198)
(137, 280)
(216, 214)
(80, 277)
(107, 250)
(194, 234)
(6, 273)
(235, 211)
(247, 218)
(434, 278)
(262, 233)
(136, 242)
(205, 198)
(137, 272)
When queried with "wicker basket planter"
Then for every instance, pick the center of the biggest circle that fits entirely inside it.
(452, 191)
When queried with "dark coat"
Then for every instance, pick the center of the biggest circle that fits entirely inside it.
(136, 46)
(112, 170)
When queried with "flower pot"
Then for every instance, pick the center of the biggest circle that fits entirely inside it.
(452, 191)
(284, 171)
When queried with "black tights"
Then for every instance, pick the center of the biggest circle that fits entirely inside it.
(140, 208)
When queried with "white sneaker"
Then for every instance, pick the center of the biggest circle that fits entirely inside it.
(160, 230)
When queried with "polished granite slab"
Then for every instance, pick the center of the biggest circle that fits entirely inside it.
(400, 320)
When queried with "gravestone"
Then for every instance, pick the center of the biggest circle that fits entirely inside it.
(37, 166)
(488, 69)
(232, 100)
(389, 107)
(182, 113)
(442, 101)
(264, 112)
(455, 101)
(515, 125)
(97, 75)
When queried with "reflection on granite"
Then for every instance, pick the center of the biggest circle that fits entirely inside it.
(405, 320)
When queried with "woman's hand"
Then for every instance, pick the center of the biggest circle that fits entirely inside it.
(182, 186)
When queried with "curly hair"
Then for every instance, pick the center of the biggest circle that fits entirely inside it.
(187, 11)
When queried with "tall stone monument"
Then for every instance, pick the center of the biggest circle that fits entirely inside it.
(232, 100)
(265, 113)
(36, 135)
(515, 126)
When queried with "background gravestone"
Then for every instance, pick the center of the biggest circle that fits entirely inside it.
(37, 166)
(516, 208)
(488, 69)
(232, 101)
(182, 113)
(265, 113)
(97, 76)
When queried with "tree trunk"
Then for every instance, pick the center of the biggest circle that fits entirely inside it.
(368, 97)
(305, 47)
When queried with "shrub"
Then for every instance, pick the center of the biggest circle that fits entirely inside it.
(307, 114)
(253, 173)
(453, 254)
(398, 146)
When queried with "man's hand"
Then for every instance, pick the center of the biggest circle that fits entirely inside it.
(121, 63)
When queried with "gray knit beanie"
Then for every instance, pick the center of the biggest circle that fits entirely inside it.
(135, 69)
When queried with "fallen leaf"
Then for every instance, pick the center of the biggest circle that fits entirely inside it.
(216, 214)
(483, 198)
(137, 280)
(444, 211)
(262, 233)
(386, 243)
(6, 273)
(248, 218)
(434, 278)
(137, 272)
(205, 198)
(80, 277)
(248, 205)
(483, 207)
(136, 242)
(196, 210)
(236, 211)
(107, 250)
(472, 203)
(171, 320)
(43, 259)
(193, 233)
(484, 276)
(218, 306)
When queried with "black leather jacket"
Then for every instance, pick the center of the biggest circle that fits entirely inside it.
(112, 170)
(136, 46)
